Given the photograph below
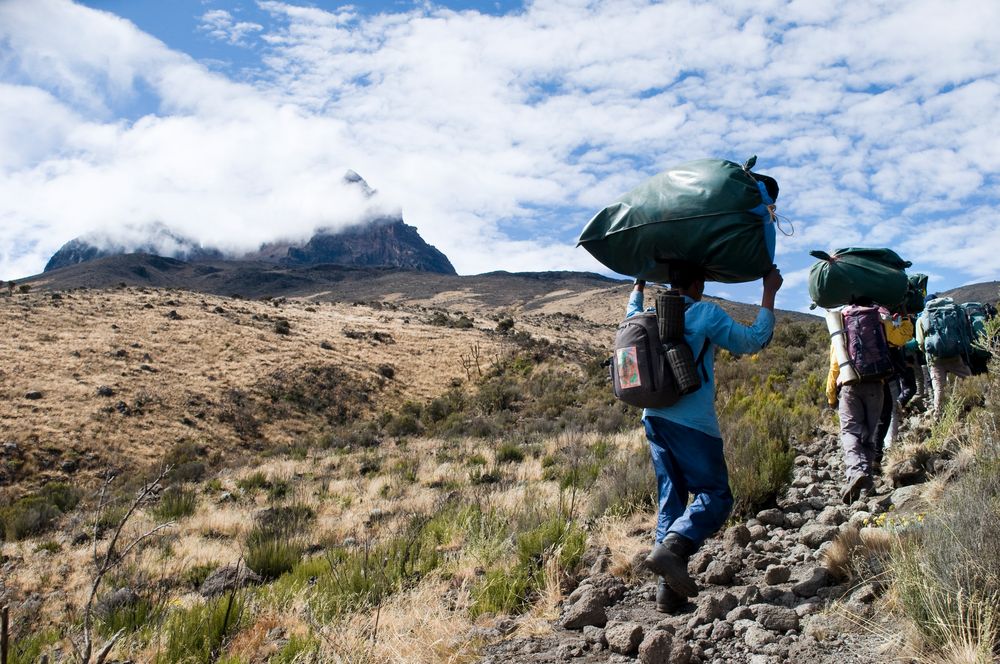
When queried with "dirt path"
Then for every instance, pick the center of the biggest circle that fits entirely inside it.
(766, 595)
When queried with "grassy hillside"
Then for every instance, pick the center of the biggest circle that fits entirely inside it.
(399, 477)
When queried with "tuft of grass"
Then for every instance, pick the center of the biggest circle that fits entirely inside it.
(198, 634)
(509, 453)
(299, 649)
(131, 617)
(358, 578)
(176, 502)
(29, 649)
(859, 555)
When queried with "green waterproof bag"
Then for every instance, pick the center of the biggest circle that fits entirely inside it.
(856, 273)
(711, 212)
(916, 293)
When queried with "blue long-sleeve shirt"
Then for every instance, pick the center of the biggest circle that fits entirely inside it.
(705, 320)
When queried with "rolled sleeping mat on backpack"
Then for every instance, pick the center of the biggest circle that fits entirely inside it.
(838, 337)
(680, 359)
(670, 308)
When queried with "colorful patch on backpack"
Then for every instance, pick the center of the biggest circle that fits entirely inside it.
(628, 368)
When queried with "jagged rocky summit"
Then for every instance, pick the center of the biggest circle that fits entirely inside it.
(382, 242)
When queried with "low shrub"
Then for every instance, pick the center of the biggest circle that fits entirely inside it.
(479, 476)
(625, 486)
(37, 513)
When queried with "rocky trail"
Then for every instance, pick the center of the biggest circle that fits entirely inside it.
(766, 596)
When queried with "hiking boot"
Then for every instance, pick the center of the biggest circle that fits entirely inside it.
(668, 600)
(854, 488)
(669, 560)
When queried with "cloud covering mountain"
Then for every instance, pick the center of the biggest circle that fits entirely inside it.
(499, 133)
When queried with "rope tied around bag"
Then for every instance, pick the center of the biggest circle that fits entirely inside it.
(778, 218)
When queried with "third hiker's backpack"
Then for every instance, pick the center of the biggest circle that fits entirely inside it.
(979, 356)
(946, 329)
(866, 342)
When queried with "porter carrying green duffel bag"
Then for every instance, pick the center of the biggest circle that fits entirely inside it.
(853, 274)
(712, 213)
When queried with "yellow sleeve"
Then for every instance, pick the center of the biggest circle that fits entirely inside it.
(831, 379)
(898, 336)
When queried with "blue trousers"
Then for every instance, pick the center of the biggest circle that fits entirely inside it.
(688, 462)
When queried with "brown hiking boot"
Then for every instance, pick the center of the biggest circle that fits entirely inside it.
(668, 600)
(669, 560)
(855, 487)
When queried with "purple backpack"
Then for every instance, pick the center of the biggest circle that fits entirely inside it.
(866, 342)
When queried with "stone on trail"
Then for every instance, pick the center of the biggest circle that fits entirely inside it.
(810, 584)
(775, 618)
(624, 637)
(609, 588)
(588, 609)
(736, 537)
(831, 516)
(771, 517)
(814, 534)
(656, 647)
(757, 637)
(776, 574)
(908, 497)
(721, 573)
(593, 634)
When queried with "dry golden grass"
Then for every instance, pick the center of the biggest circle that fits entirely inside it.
(858, 555)
(413, 626)
(176, 371)
(616, 533)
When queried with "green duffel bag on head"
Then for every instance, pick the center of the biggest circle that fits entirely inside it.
(712, 213)
(856, 274)
(916, 293)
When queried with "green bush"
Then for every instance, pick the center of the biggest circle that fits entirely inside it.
(274, 544)
(255, 481)
(479, 476)
(271, 556)
(298, 650)
(195, 575)
(504, 591)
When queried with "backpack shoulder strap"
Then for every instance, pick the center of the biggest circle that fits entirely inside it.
(700, 360)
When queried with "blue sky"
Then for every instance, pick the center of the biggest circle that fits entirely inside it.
(499, 128)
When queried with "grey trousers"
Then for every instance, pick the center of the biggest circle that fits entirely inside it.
(860, 407)
(940, 368)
